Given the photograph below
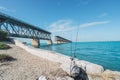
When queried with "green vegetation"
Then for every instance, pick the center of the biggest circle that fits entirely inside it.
(4, 57)
(3, 35)
(4, 46)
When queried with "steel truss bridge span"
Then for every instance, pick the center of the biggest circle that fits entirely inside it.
(18, 28)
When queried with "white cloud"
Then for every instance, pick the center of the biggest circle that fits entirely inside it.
(83, 2)
(103, 15)
(2, 8)
(6, 9)
(67, 25)
(61, 26)
(91, 24)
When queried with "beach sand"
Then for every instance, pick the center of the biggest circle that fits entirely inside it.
(27, 66)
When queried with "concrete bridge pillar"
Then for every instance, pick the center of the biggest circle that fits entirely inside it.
(58, 42)
(36, 42)
(49, 42)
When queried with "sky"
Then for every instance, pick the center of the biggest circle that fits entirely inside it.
(94, 20)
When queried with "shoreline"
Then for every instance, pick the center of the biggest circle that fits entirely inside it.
(105, 54)
(62, 59)
(32, 63)
(67, 58)
(92, 70)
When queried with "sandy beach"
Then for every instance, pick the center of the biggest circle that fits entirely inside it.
(26, 66)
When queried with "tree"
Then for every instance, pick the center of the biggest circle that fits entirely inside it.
(3, 35)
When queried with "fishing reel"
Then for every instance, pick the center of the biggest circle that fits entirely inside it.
(74, 69)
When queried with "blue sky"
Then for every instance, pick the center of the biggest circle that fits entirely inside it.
(97, 20)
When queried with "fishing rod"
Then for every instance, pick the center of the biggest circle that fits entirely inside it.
(74, 69)
(76, 43)
(74, 54)
(71, 46)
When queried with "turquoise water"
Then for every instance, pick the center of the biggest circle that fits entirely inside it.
(106, 54)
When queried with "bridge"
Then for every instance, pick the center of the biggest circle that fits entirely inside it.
(21, 29)
(60, 40)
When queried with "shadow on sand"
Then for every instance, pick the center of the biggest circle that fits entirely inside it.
(4, 58)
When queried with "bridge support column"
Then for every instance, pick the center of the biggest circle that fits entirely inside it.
(49, 42)
(57, 42)
(35, 42)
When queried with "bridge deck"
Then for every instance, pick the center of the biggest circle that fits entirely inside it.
(18, 28)
(61, 39)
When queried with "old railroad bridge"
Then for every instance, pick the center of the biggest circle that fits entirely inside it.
(21, 29)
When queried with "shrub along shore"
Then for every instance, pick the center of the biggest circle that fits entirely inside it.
(3, 35)
(4, 46)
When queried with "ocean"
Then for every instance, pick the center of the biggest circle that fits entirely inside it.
(106, 54)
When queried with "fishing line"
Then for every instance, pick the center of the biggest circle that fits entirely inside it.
(76, 43)
(71, 45)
